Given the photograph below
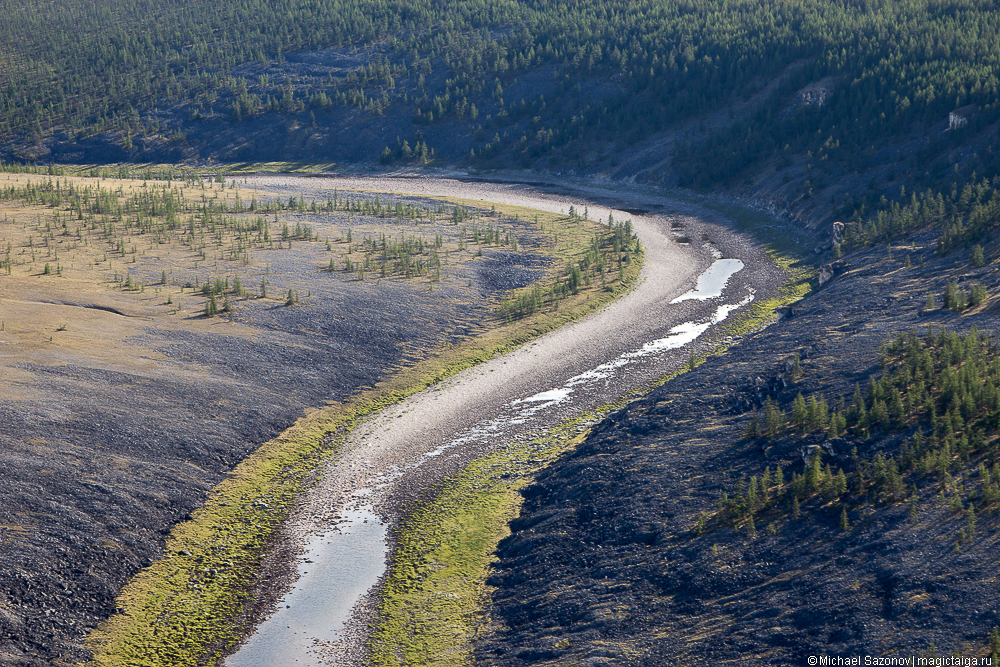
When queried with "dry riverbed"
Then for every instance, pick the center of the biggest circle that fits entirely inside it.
(391, 462)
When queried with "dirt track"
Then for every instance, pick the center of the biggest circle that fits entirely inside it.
(483, 408)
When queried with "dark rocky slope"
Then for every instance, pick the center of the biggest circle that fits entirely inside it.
(605, 565)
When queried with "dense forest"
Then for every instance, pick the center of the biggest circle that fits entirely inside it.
(815, 90)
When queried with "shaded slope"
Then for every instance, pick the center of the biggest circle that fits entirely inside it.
(605, 563)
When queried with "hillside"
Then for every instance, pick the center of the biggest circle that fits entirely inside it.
(667, 536)
(715, 519)
(819, 107)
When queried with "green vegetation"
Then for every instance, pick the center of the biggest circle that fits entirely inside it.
(677, 57)
(99, 223)
(969, 213)
(881, 74)
(434, 595)
(104, 223)
(957, 299)
(941, 390)
(610, 248)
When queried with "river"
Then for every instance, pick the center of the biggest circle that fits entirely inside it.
(698, 273)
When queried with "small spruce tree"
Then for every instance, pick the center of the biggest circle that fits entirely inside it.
(799, 414)
(211, 307)
(976, 256)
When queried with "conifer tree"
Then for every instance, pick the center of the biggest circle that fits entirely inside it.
(753, 427)
(976, 256)
(211, 306)
(774, 419)
(814, 473)
(799, 413)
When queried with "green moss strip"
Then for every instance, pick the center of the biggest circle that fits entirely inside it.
(189, 607)
(435, 592)
(762, 313)
(182, 609)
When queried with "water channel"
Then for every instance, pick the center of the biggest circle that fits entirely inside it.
(648, 333)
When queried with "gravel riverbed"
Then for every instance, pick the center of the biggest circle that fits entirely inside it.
(588, 363)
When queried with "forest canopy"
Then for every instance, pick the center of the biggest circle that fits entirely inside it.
(615, 73)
